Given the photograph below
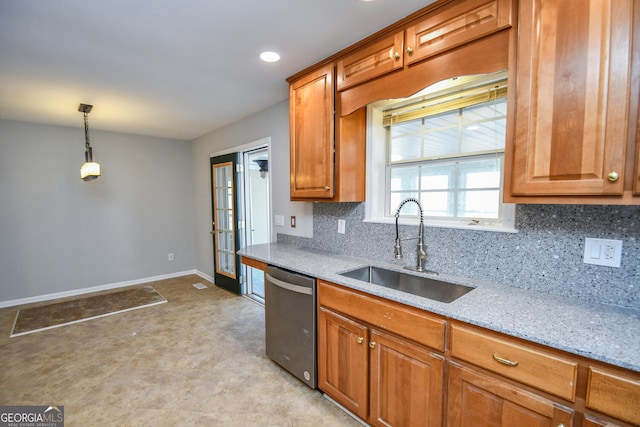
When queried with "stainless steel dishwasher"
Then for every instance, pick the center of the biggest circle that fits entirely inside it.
(290, 322)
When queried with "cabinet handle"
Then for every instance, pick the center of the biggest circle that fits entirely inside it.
(327, 188)
(372, 344)
(397, 56)
(360, 340)
(504, 361)
(613, 176)
(409, 50)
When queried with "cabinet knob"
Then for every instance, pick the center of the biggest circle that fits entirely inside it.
(613, 176)
(560, 425)
(372, 344)
(397, 56)
(360, 340)
(327, 188)
(409, 50)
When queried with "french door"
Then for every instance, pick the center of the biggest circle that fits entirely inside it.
(225, 230)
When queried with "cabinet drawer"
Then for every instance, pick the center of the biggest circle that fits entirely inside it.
(409, 322)
(530, 366)
(614, 395)
(371, 61)
(454, 25)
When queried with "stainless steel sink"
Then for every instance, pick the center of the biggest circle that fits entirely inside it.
(417, 285)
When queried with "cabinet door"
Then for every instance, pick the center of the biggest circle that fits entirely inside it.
(311, 135)
(342, 360)
(477, 400)
(371, 61)
(572, 95)
(406, 383)
(454, 25)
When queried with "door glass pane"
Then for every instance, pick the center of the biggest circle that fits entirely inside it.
(223, 209)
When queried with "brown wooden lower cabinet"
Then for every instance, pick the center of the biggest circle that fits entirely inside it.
(372, 361)
(343, 365)
(406, 383)
(478, 400)
(383, 379)
(591, 421)
(615, 394)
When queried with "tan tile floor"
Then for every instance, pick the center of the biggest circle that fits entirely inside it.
(197, 360)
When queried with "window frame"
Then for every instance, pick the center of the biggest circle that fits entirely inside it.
(377, 208)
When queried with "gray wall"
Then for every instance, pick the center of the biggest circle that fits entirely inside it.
(273, 123)
(60, 234)
(545, 255)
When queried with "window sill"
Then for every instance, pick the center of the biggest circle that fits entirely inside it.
(461, 225)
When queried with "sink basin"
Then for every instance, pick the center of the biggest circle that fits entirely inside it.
(416, 285)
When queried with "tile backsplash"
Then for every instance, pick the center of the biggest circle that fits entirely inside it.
(545, 254)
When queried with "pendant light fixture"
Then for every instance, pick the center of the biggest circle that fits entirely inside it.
(90, 170)
(264, 167)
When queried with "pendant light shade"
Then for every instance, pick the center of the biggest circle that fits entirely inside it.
(90, 170)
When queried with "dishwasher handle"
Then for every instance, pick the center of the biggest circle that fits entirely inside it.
(289, 286)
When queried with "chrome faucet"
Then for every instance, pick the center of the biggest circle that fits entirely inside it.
(421, 254)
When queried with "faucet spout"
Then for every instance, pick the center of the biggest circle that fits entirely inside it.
(421, 255)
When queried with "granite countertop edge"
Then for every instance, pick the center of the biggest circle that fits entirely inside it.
(601, 332)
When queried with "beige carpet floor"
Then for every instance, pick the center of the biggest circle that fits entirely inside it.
(197, 360)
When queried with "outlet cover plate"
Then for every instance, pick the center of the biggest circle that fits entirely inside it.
(603, 252)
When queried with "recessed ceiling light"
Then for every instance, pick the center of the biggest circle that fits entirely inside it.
(269, 56)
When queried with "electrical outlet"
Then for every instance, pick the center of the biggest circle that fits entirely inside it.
(341, 226)
(293, 221)
(170, 257)
(603, 252)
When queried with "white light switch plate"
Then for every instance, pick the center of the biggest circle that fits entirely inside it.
(279, 220)
(341, 226)
(603, 252)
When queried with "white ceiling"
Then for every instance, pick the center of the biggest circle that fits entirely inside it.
(168, 68)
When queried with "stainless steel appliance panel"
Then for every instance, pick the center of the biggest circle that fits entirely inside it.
(290, 322)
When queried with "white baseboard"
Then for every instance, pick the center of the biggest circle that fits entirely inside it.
(204, 276)
(74, 292)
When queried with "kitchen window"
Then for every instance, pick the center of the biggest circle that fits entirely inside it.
(446, 149)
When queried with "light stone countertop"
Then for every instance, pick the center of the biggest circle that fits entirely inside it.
(602, 332)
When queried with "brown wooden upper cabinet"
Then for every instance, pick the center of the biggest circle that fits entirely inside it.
(572, 114)
(449, 26)
(327, 150)
(311, 122)
(371, 61)
(573, 134)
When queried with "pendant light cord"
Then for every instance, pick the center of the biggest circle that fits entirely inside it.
(86, 131)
